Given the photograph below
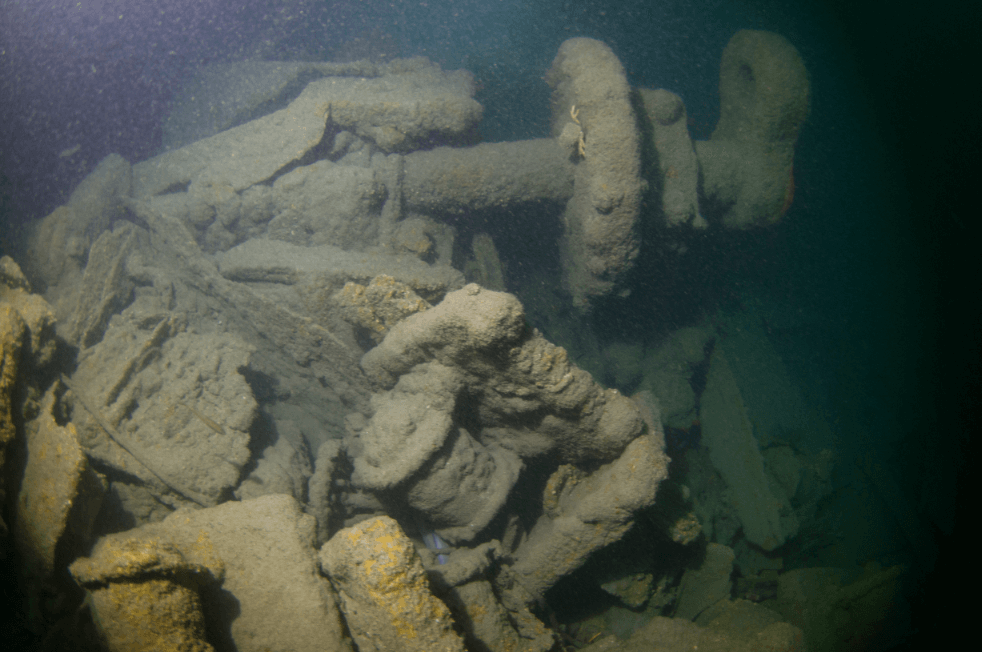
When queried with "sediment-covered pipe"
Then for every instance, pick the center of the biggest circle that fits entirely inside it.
(452, 180)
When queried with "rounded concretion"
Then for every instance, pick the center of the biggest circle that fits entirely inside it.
(764, 90)
(664, 106)
(411, 423)
(115, 560)
(746, 166)
(476, 318)
(144, 594)
(590, 91)
(463, 487)
(467, 320)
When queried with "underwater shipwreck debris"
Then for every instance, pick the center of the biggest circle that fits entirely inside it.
(144, 593)
(764, 101)
(136, 450)
(423, 373)
(244, 259)
(602, 235)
